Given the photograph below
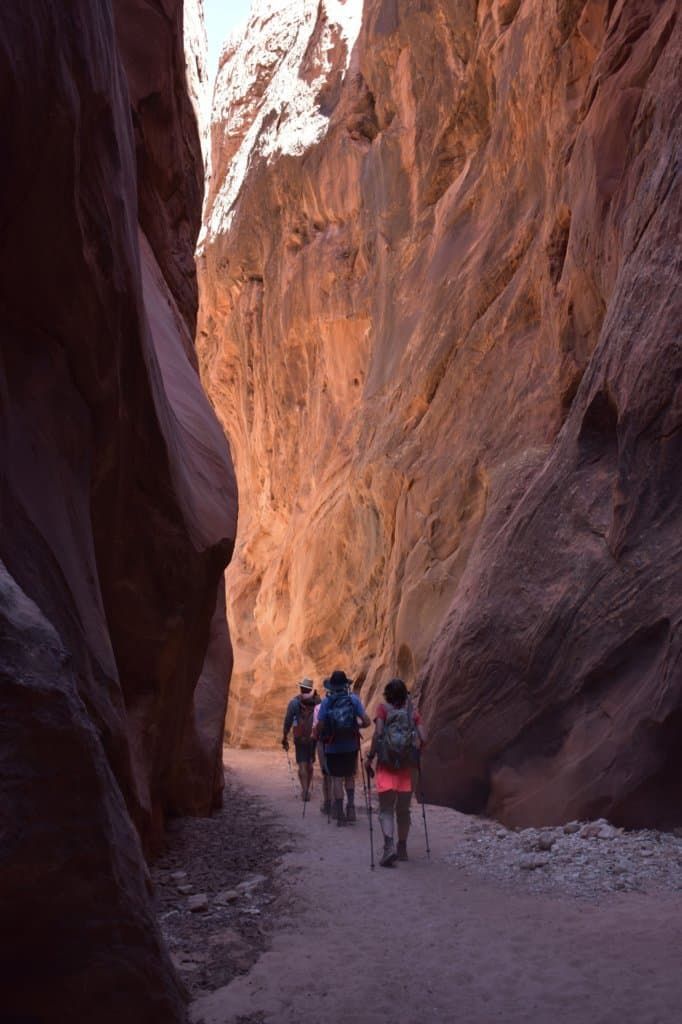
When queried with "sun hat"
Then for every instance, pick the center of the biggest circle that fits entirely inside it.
(306, 684)
(338, 680)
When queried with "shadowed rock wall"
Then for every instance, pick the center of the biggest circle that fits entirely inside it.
(117, 504)
(443, 341)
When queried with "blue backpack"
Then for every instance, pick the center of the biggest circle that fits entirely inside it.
(340, 721)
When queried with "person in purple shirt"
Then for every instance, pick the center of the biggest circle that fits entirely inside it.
(340, 718)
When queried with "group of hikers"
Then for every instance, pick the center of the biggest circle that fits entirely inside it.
(329, 728)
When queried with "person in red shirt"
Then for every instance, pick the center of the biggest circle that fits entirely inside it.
(397, 740)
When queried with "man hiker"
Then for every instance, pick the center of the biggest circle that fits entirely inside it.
(397, 740)
(339, 720)
(299, 715)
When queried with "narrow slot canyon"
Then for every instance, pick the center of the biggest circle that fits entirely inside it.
(340, 336)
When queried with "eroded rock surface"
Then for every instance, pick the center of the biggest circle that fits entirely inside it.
(442, 335)
(117, 504)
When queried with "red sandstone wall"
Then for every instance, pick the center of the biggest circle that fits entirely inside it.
(117, 504)
(444, 343)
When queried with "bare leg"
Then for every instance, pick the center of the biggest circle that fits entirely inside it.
(403, 815)
(386, 812)
(349, 783)
(337, 787)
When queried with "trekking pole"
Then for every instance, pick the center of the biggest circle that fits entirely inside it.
(291, 772)
(421, 790)
(368, 795)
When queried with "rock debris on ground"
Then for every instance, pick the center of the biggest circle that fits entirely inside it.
(579, 859)
(215, 889)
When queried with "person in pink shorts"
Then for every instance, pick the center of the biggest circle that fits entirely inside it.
(396, 742)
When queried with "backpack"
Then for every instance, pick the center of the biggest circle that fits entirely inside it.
(340, 722)
(303, 723)
(398, 740)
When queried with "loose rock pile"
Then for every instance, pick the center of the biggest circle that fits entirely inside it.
(215, 891)
(581, 859)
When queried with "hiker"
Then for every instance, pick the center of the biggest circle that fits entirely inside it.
(339, 720)
(299, 714)
(326, 805)
(397, 740)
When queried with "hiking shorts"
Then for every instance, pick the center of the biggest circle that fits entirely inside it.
(342, 766)
(305, 752)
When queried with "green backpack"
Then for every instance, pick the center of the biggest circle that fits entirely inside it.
(398, 741)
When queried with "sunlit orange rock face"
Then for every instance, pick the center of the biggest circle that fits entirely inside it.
(442, 337)
(117, 506)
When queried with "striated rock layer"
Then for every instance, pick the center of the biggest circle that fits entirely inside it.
(441, 333)
(117, 505)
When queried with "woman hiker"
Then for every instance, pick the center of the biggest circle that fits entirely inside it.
(397, 740)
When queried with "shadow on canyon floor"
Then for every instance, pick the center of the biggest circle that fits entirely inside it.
(216, 891)
(578, 925)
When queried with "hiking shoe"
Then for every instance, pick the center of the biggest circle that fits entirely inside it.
(402, 849)
(341, 820)
(389, 856)
(350, 814)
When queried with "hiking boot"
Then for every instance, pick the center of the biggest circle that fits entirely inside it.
(326, 808)
(389, 855)
(350, 814)
(402, 849)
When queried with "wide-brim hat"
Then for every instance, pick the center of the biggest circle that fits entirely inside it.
(338, 680)
(306, 684)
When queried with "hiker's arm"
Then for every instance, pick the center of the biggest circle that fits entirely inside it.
(378, 729)
(362, 718)
(317, 728)
(288, 722)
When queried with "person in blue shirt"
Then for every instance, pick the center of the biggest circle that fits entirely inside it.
(339, 720)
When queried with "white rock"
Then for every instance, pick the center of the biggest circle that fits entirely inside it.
(546, 841)
(271, 73)
(532, 861)
(250, 883)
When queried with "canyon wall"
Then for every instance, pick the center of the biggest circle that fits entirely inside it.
(117, 505)
(440, 319)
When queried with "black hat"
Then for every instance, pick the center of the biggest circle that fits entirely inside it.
(338, 680)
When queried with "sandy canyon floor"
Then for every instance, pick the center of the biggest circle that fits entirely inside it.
(575, 927)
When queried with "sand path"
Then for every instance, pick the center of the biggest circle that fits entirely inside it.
(427, 942)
